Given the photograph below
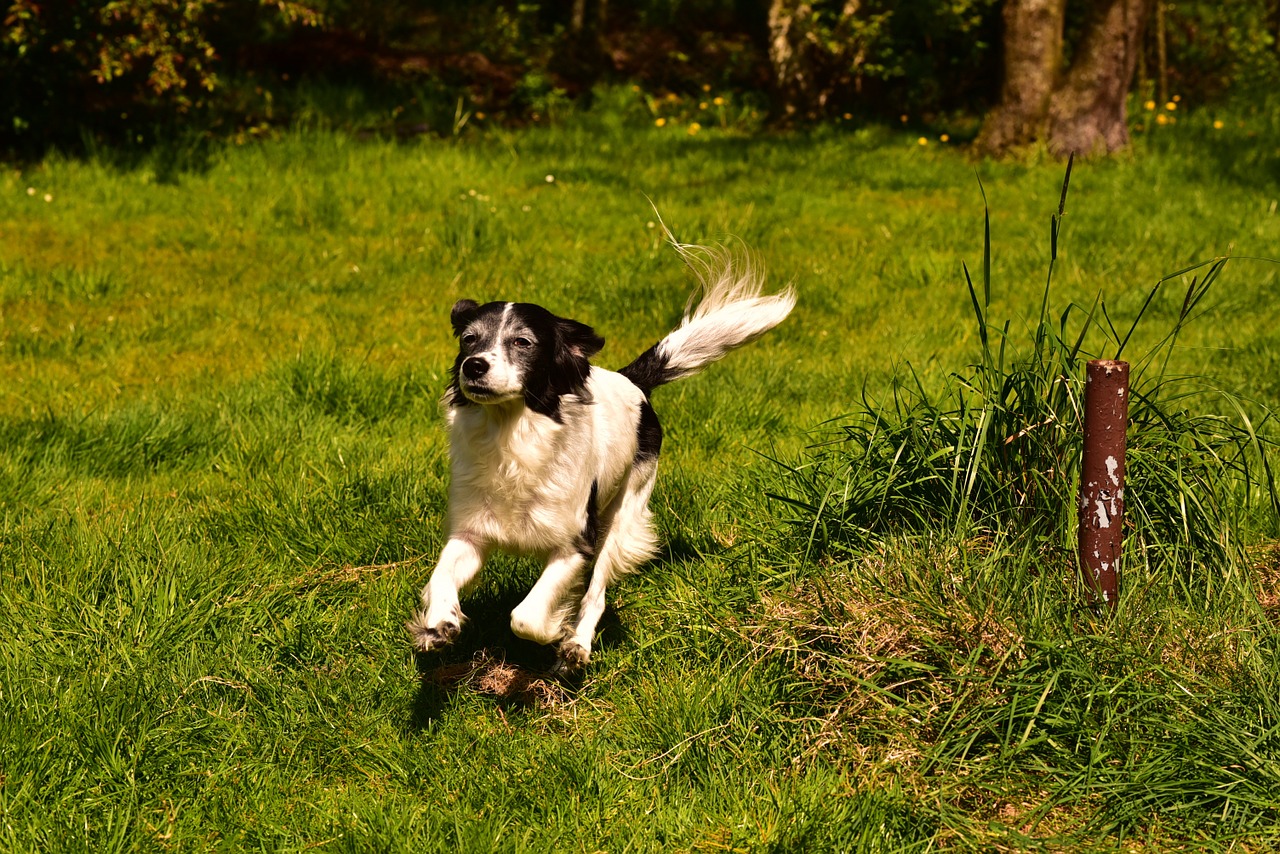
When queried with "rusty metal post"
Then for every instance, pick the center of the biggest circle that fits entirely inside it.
(1106, 415)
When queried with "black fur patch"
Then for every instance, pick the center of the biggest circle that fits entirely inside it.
(464, 311)
(562, 361)
(648, 434)
(589, 539)
(648, 371)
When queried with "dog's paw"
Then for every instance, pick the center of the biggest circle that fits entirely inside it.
(427, 637)
(571, 659)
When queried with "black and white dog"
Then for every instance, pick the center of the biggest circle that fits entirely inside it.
(556, 458)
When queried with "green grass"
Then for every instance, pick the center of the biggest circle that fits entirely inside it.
(223, 470)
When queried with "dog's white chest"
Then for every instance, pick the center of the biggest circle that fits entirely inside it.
(522, 485)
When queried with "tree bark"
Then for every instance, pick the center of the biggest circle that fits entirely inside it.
(1032, 59)
(1081, 109)
(792, 74)
(1088, 113)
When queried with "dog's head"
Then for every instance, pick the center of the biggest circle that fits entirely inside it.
(512, 350)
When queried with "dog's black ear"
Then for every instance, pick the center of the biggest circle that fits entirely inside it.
(464, 311)
(581, 340)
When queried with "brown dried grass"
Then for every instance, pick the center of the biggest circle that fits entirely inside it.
(492, 676)
(880, 664)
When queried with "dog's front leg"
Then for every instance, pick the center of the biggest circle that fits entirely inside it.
(542, 616)
(439, 620)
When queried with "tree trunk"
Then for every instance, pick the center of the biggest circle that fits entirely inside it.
(1032, 58)
(580, 57)
(1088, 113)
(1162, 52)
(1081, 110)
(792, 74)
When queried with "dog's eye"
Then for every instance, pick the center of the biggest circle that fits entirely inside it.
(469, 338)
(522, 343)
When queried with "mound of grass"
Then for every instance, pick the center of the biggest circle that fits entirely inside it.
(960, 670)
(996, 448)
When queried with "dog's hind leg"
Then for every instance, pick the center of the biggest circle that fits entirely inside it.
(440, 618)
(542, 614)
(628, 542)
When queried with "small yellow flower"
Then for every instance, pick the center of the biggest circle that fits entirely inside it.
(1217, 124)
(31, 191)
(480, 116)
(659, 121)
(1150, 105)
(922, 141)
(48, 197)
(1171, 106)
(1177, 97)
(635, 88)
(694, 127)
(1162, 119)
(718, 101)
(848, 116)
(551, 179)
(946, 137)
(706, 87)
(702, 105)
(903, 118)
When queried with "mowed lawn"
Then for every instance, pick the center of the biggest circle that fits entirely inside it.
(223, 474)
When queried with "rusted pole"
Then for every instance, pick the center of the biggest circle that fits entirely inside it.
(1106, 415)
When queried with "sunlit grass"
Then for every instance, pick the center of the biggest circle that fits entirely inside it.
(222, 476)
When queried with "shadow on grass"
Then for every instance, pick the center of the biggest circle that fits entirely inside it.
(488, 660)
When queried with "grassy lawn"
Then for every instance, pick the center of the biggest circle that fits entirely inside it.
(223, 474)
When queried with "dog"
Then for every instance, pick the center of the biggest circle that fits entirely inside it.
(553, 457)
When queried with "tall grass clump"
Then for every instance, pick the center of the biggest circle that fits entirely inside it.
(995, 449)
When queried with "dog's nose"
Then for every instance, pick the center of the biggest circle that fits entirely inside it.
(474, 368)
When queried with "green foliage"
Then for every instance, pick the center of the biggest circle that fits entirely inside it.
(131, 72)
(65, 63)
(920, 56)
(1219, 49)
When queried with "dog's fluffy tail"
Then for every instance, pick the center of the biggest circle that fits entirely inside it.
(731, 312)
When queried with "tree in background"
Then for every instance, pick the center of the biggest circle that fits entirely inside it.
(834, 56)
(65, 63)
(815, 52)
(1078, 107)
(142, 70)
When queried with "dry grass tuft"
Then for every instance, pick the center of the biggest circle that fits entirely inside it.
(880, 663)
(1266, 574)
(492, 676)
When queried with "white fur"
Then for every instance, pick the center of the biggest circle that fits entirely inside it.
(731, 313)
(521, 481)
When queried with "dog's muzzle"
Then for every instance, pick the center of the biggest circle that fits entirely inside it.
(474, 380)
